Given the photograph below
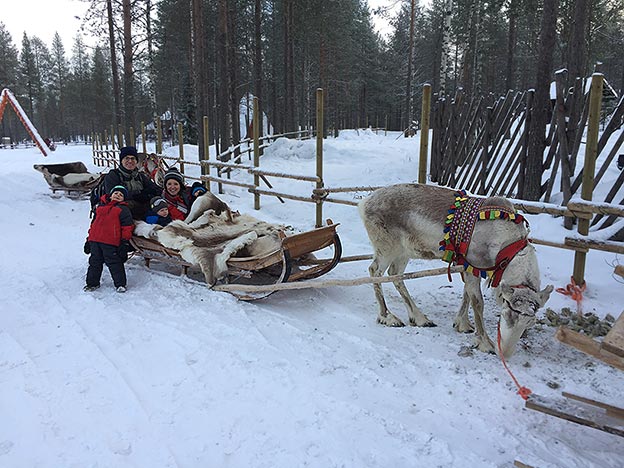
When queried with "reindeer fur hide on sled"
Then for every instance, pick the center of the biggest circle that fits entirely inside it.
(212, 239)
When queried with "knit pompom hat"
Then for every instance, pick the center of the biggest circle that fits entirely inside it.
(157, 204)
(119, 188)
(173, 173)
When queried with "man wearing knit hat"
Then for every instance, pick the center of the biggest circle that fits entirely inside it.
(140, 187)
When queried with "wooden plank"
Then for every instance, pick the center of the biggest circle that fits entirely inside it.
(605, 246)
(614, 341)
(611, 410)
(586, 415)
(588, 346)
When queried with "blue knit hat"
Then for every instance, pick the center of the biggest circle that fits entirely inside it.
(198, 189)
(119, 188)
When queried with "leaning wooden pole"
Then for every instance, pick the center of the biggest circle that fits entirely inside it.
(256, 150)
(589, 168)
(424, 133)
(319, 153)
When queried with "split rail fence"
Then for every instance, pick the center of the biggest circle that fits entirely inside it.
(230, 163)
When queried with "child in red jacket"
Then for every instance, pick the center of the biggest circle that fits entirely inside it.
(110, 231)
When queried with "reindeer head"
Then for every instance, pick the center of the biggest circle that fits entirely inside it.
(519, 305)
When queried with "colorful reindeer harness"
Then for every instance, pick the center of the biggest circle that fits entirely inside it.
(459, 226)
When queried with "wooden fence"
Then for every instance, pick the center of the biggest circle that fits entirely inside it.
(480, 145)
(230, 163)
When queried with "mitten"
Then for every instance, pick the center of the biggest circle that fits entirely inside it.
(87, 247)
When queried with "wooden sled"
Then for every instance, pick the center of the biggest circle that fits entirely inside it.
(294, 261)
(54, 175)
(582, 410)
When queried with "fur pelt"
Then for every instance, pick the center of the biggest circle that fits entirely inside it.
(211, 240)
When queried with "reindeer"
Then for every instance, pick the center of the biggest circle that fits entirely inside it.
(407, 220)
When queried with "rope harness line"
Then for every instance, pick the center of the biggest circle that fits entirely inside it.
(524, 392)
(575, 292)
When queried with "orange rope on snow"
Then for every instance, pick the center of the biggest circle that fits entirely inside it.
(524, 392)
(575, 292)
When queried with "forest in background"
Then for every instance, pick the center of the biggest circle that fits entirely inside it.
(201, 57)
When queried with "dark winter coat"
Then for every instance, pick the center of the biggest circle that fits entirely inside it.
(179, 205)
(140, 187)
(112, 222)
(153, 218)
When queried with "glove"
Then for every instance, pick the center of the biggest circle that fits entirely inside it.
(87, 247)
(123, 250)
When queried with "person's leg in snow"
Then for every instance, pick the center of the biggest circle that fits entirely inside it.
(96, 264)
(115, 265)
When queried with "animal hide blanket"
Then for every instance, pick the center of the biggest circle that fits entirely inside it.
(211, 240)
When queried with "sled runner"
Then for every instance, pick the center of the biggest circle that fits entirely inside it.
(294, 260)
(72, 178)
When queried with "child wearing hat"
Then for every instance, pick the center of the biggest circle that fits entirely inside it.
(109, 236)
(197, 190)
(159, 212)
(176, 194)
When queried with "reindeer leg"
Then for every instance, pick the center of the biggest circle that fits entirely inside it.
(385, 317)
(462, 322)
(481, 340)
(416, 317)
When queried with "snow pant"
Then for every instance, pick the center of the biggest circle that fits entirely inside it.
(105, 254)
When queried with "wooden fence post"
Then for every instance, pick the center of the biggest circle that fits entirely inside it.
(319, 153)
(132, 141)
(424, 133)
(256, 152)
(525, 144)
(591, 151)
(143, 137)
(485, 151)
(205, 168)
(181, 146)
(159, 147)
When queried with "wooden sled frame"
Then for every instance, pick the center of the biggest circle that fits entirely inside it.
(51, 173)
(581, 410)
(291, 262)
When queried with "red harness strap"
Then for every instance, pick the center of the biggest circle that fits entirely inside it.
(503, 258)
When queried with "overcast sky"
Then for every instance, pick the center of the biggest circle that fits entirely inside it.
(42, 18)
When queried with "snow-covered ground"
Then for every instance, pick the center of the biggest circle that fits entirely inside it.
(172, 374)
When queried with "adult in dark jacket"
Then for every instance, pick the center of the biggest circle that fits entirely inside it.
(108, 240)
(141, 189)
(177, 194)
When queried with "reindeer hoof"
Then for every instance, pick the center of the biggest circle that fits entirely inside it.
(463, 327)
(425, 323)
(390, 320)
(485, 346)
